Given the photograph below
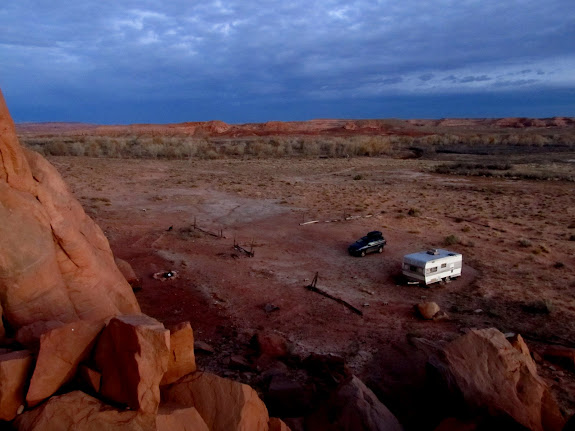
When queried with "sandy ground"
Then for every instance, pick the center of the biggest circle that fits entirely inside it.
(514, 236)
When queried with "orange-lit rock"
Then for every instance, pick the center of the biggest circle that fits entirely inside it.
(80, 412)
(276, 424)
(132, 354)
(61, 351)
(177, 418)
(224, 405)
(495, 377)
(15, 368)
(181, 360)
(128, 272)
(55, 262)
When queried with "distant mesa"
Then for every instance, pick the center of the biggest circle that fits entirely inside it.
(331, 127)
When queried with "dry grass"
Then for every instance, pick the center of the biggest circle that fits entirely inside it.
(182, 146)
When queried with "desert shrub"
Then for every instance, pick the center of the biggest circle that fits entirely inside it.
(413, 212)
(544, 306)
(358, 177)
(558, 265)
(451, 239)
(523, 242)
(572, 238)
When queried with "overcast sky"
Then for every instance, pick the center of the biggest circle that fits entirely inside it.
(127, 61)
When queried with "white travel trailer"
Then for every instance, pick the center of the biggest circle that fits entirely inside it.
(432, 266)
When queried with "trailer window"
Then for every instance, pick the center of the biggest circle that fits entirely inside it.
(444, 265)
(434, 269)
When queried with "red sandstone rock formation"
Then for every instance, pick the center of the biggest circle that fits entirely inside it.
(174, 417)
(56, 264)
(132, 354)
(78, 411)
(495, 376)
(15, 368)
(61, 351)
(224, 405)
(182, 360)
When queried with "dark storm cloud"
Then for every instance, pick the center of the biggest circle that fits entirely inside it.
(210, 57)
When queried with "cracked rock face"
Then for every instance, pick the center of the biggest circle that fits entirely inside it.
(55, 262)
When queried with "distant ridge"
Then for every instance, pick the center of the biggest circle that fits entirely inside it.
(333, 127)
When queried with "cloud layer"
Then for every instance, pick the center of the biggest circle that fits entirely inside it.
(239, 61)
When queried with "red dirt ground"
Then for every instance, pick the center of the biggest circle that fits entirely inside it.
(262, 203)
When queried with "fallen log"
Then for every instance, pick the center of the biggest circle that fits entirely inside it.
(316, 289)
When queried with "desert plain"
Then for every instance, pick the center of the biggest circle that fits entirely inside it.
(509, 209)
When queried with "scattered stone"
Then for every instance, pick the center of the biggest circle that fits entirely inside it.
(478, 311)
(175, 418)
(224, 405)
(491, 375)
(203, 347)
(272, 344)
(81, 412)
(15, 368)
(181, 360)
(269, 308)
(128, 273)
(239, 363)
(61, 351)
(132, 354)
(440, 315)
(427, 309)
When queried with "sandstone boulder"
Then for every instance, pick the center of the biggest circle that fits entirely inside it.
(354, 407)
(287, 397)
(128, 272)
(55, 262)
(519, 344)
(272, 344)
(15, 368)
(224, 405)
(61, 351)
(132, 355)
(177, 418)
(491, 375)
(80, 412)
(181, 360)
(428, 310)
(276, 424)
